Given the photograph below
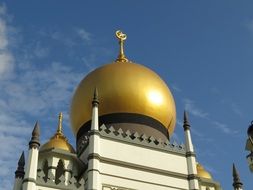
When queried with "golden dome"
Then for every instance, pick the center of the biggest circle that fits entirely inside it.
(124, 87)
(202, 173)
(58, 140)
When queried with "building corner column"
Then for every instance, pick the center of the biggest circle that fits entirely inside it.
(94, 182)
(190, 156)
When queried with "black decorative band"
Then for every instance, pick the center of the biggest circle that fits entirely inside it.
(95, 103)
(186, 127)
(125, 118)
(94, 132)
(34, 144)
(29, 180)
(19, 174)
(93, 156)
(190, 154)
(92, 170)
(237, 185)
(192, 177)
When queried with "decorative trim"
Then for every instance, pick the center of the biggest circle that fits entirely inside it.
(96, 170)
(34, 144)
(125, 118)
(57, 151)
(142, 140)
(192, 177)
(29, 180)
(49, 180)
(19, 174)
(190, 154)
(93, 132)
(113, 187)
(94, 156)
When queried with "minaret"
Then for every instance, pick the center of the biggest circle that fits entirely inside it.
(29, 182)
(236, 178)
(94, 148)
(20, 172)
(190, 156)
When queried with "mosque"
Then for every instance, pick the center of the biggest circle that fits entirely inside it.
(123, 115)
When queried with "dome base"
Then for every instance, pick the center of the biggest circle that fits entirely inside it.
(128, 121)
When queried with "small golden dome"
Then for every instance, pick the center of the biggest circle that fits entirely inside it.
(202, 173)
(124, 87)
(58, 140)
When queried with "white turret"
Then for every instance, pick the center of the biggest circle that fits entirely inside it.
(94, 148)
(29, 182)
(19, 174)
(190, 156)
(236, 179)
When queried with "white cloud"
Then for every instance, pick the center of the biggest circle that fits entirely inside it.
(224, 128)
(86, 36)
(33, 93)
(40, 51)
(6, 57)
(60, 37)
(249, 25)
(191, 107)
(236, 110)
(6, 63)
(2, 9)
(28, 93)
(176, 88)
(3, 34)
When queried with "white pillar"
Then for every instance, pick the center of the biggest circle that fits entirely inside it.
(94, 182)
(68, 169)
(190, 156)
(52, 165)
(29, 182)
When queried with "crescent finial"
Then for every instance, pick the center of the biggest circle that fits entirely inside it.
(121, 37)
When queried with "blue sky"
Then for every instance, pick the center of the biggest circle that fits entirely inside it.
(202, 49)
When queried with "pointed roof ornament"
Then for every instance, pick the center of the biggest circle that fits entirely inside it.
(59, 129)
(35, 140)
(20, 172)
(21, 161)
(121, 37)
(36, 130)
(236, 178)
(186, 121)
(95, 100)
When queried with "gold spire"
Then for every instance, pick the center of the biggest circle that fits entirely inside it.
(121, 37)
(59, 129)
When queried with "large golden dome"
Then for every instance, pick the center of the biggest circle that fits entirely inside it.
(124, 87)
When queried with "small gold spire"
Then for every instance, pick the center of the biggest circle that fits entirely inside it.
(121, 37)
(59, 129)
